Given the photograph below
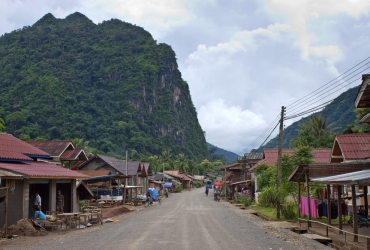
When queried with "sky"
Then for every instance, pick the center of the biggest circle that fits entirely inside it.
(243, 59)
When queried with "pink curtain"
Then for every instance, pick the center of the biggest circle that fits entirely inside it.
(303, 205)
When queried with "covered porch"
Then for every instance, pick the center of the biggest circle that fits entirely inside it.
(342, 184)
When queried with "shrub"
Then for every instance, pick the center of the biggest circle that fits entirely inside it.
(289, 210)
(243, 200)
(268, 197)
(178, 187)
(198, 184)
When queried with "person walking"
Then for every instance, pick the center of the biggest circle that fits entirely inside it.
(37, 202)
(206, 191)
(60, 202)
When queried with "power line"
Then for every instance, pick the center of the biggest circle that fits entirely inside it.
(307, 102)
(263, 135)
(328, 102)
(292, 104)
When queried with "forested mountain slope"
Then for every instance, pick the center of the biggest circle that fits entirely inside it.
(110, 84)
(340, 113)
(229, 156)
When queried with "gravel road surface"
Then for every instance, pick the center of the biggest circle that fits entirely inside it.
(188, 220)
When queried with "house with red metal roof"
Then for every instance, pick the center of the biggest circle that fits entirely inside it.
(350, 147)
(62, 152)
(24, 171)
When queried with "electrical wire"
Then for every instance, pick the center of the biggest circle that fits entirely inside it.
(303, 106)
(299, 100)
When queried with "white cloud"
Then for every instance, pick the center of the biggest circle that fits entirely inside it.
(229, 126)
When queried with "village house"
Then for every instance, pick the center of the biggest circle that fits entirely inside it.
(61, 152)
(136, 173)
(23, 171)
(181, 178)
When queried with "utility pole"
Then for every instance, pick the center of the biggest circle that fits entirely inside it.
(280, 153)
(125, 189)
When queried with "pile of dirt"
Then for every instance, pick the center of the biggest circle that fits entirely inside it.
(25, 227)
(115, 211)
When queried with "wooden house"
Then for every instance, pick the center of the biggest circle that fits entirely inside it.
(23, 171)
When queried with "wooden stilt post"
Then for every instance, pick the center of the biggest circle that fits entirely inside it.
(366, 201)
(299, 200)
(354, 208)
(340, 208)
(6, 213)
(308, 201)
(329, 203)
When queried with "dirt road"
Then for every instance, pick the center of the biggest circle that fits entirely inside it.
(188, 220)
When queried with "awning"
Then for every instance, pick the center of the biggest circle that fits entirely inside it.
(218, 183)
(167, 185)
(353, 178)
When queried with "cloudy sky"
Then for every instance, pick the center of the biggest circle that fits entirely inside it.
(243, 59)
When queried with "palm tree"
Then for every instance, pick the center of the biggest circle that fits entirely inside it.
(315, 133)
(2, 125)
(165, 157)
(182, 164)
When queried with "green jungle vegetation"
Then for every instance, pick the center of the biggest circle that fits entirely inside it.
(109, 86)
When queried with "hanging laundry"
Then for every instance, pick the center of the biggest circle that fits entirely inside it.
(304, 206)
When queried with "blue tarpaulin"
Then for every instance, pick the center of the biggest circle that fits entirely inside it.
(167, 185)
(153, 193)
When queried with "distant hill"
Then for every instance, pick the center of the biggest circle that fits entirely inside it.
(110, 84)
(230, 156)
(340, 112)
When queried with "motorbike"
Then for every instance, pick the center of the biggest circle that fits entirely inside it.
(216, 196)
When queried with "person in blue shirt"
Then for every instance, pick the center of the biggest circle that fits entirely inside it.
(206, 191)
(40, 215)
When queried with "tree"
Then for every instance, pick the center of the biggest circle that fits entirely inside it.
(155, 163)
(182, 164)
(166, 157)
(267, 175)
(315, 133)
(2, 125)
(206, 165)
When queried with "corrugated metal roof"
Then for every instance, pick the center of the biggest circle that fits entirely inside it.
(359, 177)
(54, 148)
(354, 146)
(9, 174)
(13, 148)
(184, 177)
(253, 156)
(231, 165)
(73, 154)
(42, 170)
(320, 155)
(120, 165)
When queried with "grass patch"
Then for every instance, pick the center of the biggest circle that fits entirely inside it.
(269, 212)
